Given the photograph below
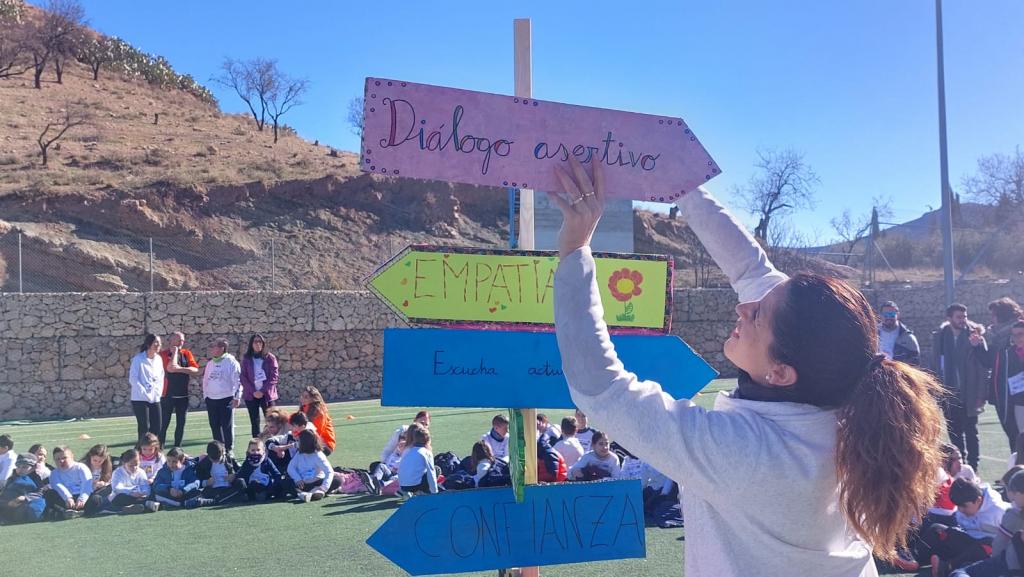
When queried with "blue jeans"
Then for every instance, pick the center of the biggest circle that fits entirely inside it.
(994, 566)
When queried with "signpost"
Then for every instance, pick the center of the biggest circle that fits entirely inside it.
(469, 368)
(423, 131)
(475, 286)
(484, 529)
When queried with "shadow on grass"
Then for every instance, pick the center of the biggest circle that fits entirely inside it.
(363, 504)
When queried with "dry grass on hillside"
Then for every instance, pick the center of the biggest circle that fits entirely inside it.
(193, 143)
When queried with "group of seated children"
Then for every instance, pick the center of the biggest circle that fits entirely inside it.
(971, 530)
(289, 459)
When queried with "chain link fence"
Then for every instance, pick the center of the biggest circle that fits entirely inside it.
(48, 259)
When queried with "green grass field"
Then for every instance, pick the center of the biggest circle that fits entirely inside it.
(326, 538)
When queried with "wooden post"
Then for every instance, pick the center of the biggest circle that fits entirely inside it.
(524, 89)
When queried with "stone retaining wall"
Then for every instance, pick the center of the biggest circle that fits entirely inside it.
(67, 354)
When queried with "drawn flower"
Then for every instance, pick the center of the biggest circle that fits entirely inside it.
(625, 284)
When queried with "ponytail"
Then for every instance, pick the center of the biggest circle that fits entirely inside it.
(888, 453)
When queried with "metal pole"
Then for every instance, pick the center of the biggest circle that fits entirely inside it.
(947, 208)
(150, 264)
(273, 266)
(21, 285)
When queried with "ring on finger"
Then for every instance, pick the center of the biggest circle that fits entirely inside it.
(576, 200)
(586, 194)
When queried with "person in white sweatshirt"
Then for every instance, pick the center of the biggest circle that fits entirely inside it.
(222, 389)
(130, 487)
(310, 473)
(146, 378)
(422, 417)
(569, 446)
(795, 470)
(497, 437)
(979, 511)
(70, 484)
(7, 459)
(599, 463)
(416, 471)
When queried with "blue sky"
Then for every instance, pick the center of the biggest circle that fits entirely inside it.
(850, 84)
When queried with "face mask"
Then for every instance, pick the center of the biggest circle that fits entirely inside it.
(255, 458)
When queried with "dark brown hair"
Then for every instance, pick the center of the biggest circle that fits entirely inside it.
(568, 425)
(1005, 310)
(147, 342)
(316, 406)
(107, 468)
(309, 442)
(481, 452)
(890, 423)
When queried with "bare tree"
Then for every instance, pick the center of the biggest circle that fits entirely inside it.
(253, 80)
(61, 19)
(999, 180)
(12, 53)
(853, 229)
(95, 52)
(284, 96)
(355, 116)
(71, 117)
(783, 184)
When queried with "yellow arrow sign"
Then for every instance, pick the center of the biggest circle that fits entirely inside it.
(474, 286)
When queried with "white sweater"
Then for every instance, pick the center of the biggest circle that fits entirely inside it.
(311, 467)
(417, 462)
(124, 482)
(570, 449)
(590, 459)
(761, 487)
(75, 482)
(222, 379)
(146, 377)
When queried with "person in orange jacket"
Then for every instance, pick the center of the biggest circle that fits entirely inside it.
(316, 409)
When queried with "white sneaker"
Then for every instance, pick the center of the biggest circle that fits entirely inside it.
(305, 497)
(152, 506)
(317, 495)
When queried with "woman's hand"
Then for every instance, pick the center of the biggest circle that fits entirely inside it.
(582, 205)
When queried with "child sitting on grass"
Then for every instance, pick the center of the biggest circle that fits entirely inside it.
(261, 477)
(979, 511)
(315, 408)
(217, 474)
(7, 458)
(130, 487)
(310, 473)
(70, 484)
(99, 464)
(43, 469)
(151, 456)
(497, 437)
(599, 463)
(1004, 559)
(177, 484)
(416, 472)
(569, 446)
(20, 500)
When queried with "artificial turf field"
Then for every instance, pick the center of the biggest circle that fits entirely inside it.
(325, 538)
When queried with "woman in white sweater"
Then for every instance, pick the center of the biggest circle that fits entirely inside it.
(146, 377)
(824, 453)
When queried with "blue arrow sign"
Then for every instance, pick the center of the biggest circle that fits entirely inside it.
(480, 529)
(469, 368)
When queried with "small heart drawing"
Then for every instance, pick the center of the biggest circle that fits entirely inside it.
(405, 303)
(536, 261)
(503, 307)
(493, 309)
(447, 255)
(408, 263)
(404, 281)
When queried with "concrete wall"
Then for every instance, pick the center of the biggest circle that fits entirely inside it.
(67, 354)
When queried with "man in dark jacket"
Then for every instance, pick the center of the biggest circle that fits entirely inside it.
(895, 340)
(960, 354)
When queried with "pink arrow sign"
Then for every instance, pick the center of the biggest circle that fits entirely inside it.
(432, 132)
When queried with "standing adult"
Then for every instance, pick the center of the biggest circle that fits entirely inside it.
(146, 377)
(960, 361)
(1008, 378)
(259, 380)
(895, 340)
(1005, 312)
(222, 390)
(809, 463)
(179, 366)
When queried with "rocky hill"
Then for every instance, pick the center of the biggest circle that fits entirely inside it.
(223, 205)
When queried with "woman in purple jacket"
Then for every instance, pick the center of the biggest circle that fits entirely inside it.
(259, 380)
